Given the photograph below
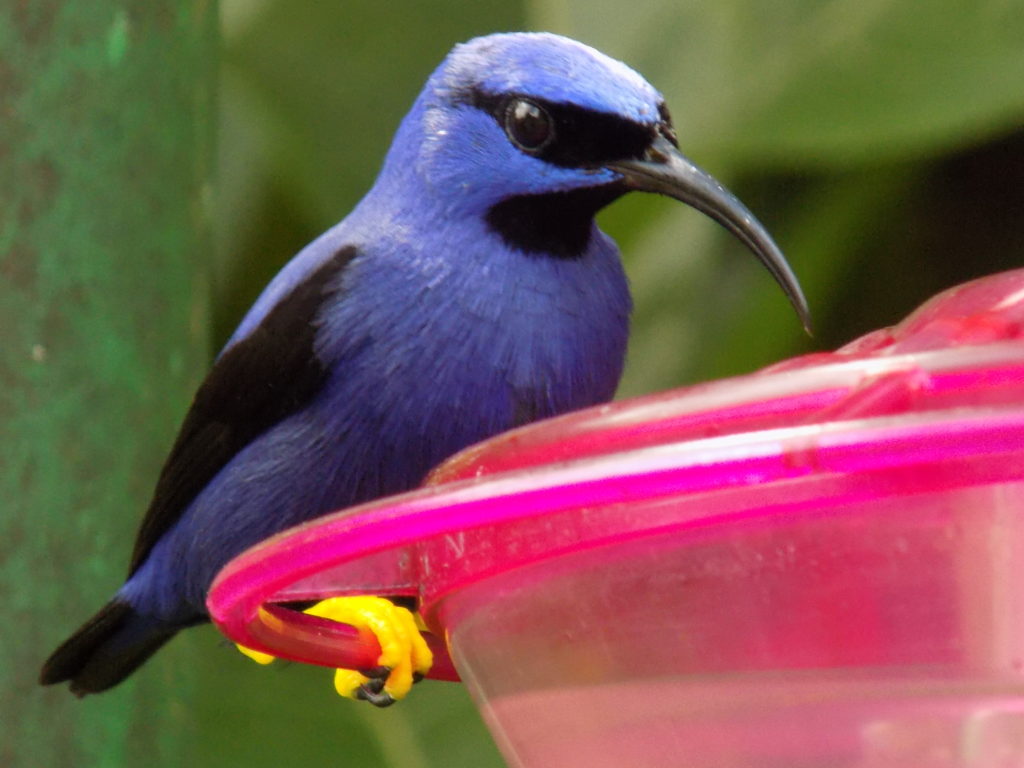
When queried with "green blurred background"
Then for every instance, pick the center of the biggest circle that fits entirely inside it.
(880, 141)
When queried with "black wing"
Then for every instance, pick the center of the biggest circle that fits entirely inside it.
(260, 380)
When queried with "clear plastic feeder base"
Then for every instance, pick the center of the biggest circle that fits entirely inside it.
(883, 633)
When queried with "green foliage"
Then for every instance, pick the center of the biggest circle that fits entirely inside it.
(807, 83)
(879, 141)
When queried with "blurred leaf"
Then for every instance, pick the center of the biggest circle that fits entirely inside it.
(811, 82)
(289, 714)
(828, 235)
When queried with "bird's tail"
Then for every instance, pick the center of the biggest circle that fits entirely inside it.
(106, 649)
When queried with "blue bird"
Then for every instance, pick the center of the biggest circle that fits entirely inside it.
(469, 292)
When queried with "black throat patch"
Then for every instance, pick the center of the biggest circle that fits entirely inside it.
(556, 224)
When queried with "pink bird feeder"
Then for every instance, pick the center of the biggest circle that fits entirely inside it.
(820, 564)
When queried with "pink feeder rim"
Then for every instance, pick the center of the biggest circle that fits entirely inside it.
(929, 405)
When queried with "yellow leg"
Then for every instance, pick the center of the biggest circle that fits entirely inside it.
(404, 655)
(258, 656)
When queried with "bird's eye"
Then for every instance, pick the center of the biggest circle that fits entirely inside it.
(528, 125)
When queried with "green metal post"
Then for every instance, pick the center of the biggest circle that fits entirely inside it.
(106, 113)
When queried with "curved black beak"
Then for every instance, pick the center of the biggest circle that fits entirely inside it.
(664, 170)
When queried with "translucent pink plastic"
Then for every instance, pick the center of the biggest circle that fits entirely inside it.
(821, 564)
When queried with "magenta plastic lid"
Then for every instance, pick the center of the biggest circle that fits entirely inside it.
(931, 404)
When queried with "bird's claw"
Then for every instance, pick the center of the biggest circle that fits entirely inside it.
(373, 689)
(404, 659)
(403, 652)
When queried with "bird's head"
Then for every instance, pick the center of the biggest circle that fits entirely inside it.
(535, 133)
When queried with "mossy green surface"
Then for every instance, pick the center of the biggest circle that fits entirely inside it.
(106, 115)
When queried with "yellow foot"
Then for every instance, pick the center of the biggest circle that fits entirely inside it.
(404, 656)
